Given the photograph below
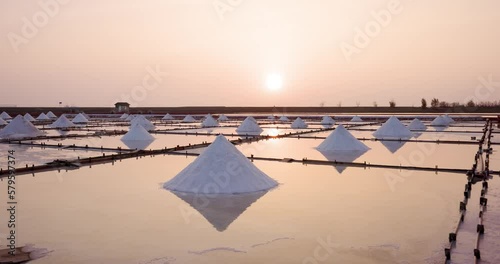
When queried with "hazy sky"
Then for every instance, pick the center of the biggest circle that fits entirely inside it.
(95, 52)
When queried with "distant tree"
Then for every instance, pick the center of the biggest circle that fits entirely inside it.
(424, 103)
(470, 104)
(375, 104)
(357, 103)
(339, 104)
(434, 102)
(444, 104)
(392, 103)
(322, 104)
(455, 104)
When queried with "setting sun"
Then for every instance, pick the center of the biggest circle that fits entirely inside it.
(274, 82)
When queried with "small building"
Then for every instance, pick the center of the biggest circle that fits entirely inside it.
(122, 107)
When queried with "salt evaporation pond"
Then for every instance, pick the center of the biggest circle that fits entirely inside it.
(120, 214)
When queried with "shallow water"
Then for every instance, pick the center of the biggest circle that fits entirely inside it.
(119, 214)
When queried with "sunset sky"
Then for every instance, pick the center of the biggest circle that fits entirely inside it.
(246, 52)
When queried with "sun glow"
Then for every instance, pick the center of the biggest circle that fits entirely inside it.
(274, 82)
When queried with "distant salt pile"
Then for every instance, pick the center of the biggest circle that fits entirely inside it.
(19, 127)
(137, 137)
(130, 118)
(42, 117)
(2, 122)
(342, 146)
(249, 126)
(5, 116)
(167, 117)
(298, 124)
(356, 119)
(85, 115)
(252, 119)
(62, 122)
(145, 123)
(51, 115)
(439, 121)
(284, 119)
(327, 120)
(448, 119)
(223, 118)
(340, 140)
(29, 117)
(204, 175)
(271, 117)
(80, 119)
(124, 116)
(188, 119)
(393, 128)
(209, 122)
(416, 124)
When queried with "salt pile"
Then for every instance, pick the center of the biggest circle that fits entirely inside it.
(51, 115)
(298, 123)
(252, 118)
(62, 122)
(167, 117)
(19, 127)
(124, 116)
(223, 118)
(416, 124)
(439, 121)
(448, 119)
(284, 119)
(271, 117)
(356, 119)
(5, 116)
(209, 122)
(130, 118)
(327, 120)
(340, 140)
(42, 117)
(29, 117)
(188, 119)
(141, 120)
(342, 146)
(137, 137)
(85, 115)
(80, 118)
(249, 126)
(2, 122)
(209, 174)
(393, 128)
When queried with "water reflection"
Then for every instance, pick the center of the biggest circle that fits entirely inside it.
(392, 146)
(220, 210)
(342, 156)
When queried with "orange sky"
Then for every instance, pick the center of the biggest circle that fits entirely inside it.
(93, 53)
